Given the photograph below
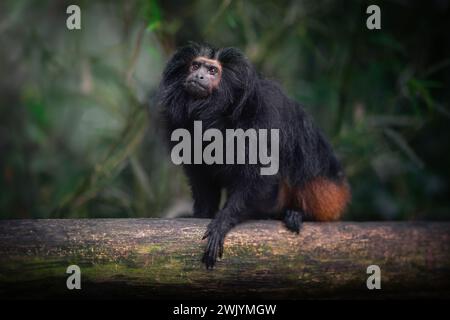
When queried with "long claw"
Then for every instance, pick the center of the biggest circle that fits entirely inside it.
(214, 249)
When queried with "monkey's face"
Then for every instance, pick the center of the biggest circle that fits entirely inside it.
(203, 77)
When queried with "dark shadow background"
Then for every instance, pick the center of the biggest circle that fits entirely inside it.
(77, 131)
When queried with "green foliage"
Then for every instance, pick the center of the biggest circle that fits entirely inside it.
(153, 14)
(79, 138)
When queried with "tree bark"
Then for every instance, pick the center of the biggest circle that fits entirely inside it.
(158, 259)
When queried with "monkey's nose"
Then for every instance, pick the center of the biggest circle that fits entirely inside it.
(199, 75)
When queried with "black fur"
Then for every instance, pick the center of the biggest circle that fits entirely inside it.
(244, 100)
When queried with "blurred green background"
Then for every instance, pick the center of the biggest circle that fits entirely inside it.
(79, 132)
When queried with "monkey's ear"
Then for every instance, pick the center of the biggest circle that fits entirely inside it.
(179, 63)
(241, 79)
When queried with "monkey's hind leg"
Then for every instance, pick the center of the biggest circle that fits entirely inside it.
(293, 220)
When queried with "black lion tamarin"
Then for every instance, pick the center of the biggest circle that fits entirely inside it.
(222, 89)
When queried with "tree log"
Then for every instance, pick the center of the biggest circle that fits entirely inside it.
(159, 259)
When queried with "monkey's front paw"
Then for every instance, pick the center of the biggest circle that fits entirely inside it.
(293, 220)
(214, 248)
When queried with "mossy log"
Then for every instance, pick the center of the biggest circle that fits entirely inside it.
(158, 259)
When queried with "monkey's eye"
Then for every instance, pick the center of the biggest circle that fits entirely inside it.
(195, 65)
(212, 70)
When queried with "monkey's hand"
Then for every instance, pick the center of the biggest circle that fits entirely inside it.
(214, 248)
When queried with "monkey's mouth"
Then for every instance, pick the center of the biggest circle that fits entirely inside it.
(196, 89)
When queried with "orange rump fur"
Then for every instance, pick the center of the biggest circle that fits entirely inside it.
(322, 199)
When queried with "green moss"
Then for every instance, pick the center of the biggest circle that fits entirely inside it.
(151, 248)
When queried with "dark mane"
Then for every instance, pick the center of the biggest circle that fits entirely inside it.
(239, 86)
